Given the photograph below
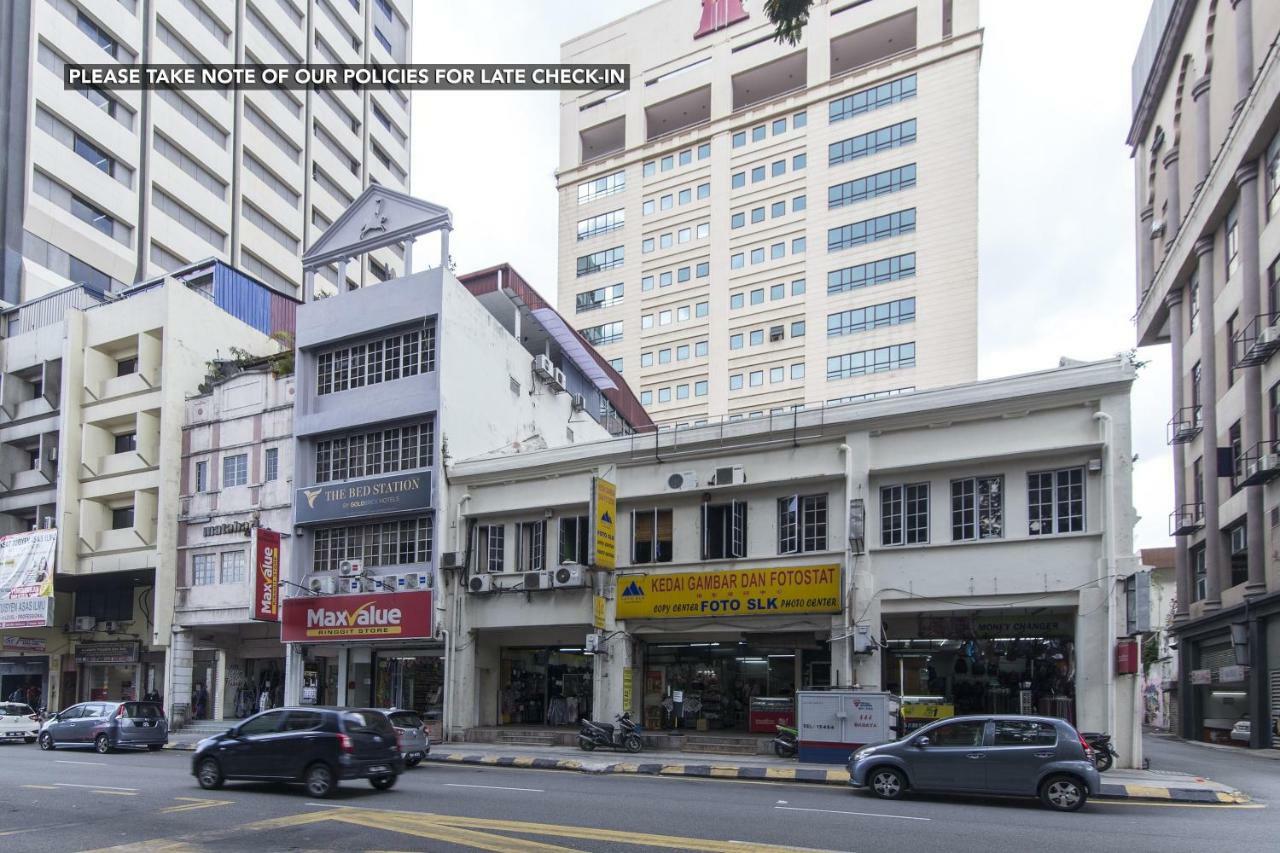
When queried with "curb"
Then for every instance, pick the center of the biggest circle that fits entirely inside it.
(807, 775)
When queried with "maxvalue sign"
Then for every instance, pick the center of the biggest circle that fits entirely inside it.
(366, 616)
(375, 496)
(265, 606)
(734, 592)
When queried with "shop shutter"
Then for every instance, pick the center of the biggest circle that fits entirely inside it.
(1213, 657)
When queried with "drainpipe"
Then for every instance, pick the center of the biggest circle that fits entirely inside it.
(845, 606)
(1107, 570)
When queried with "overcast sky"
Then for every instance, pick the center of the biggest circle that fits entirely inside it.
(1055, 208)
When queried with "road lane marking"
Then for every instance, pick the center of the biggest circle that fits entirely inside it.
(495, 787)
(115, 793)
(43, 787)
(192, 804)
(87, 763)
(95, 787)
(857, 814)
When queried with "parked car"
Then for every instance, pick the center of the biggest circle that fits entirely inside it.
(313, 745)
(17, 720)
(999, 755)
(415, 743)
(1241, 731)
(106, 726)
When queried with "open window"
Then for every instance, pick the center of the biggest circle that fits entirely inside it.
(531, 546)
(724, 530)
(490, 547)
(573, 539)
(651, 540)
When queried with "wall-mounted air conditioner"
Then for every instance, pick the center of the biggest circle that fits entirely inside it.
(350, 568)
(322, 585)
(543, 368)
(682, 482)
(570, 574)
(84, 623)
(450, 560)
(480, 583)
(535, 580)
(733, 475)
(111, 626)
(579, 403)
(558, 381)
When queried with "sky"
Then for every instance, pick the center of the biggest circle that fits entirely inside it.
(1056, 219)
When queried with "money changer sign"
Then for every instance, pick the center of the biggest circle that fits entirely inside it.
(736, 592)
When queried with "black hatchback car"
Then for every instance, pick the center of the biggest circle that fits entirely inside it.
(315, 746)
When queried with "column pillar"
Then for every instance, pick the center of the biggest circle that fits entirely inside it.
(1181, 558)
(308, 285)
(343, 667)
(1146, 251)
(1173, 210)
(1200, 94)
(1246, 179)
(1215, 561)
(1243, 10)
(293, 669)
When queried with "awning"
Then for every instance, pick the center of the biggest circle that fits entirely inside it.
(571, 346)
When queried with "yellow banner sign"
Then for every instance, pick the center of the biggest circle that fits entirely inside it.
(604, 512)
(598, 612)
(734, 592)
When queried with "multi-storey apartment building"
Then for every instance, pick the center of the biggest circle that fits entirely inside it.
(1206, 104)
(968, 543)
(95, 390)
(103, 187)
(755, 225)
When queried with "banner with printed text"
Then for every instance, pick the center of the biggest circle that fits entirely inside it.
(733, 592)
(265, 606)
(26, 578)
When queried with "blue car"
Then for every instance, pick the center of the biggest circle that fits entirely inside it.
(1002, 755)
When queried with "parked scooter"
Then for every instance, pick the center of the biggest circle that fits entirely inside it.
(625, 735)
(1104, 754)
(784, 745)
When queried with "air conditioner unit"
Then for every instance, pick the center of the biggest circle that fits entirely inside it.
(735, 475)
(579, 403)
(1268, 336)
(384, 583)
(414, 580)
(450, 560)
(1265, 462)
(84, 623)
(111, 627)
(570, 574)
(350, 568)
(480, 583)
(322, 585)
(558, 381)
(535, 580)
(543, 368)
(682, 482)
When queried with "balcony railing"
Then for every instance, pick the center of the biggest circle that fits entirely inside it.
(1258, 341)
(1187, 519)
(1185, 425)
(1260, 464)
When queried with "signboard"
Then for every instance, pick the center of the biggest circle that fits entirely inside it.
(604, 523)
(125, 651)
(1201, 676)
(833, 723)
(23, 644)
(227, 527)
(373, 496)
(265, 606)
(363, 616)
(26, 578)
(735, 592)
(995, 626)
(628, 681)
(1232, 674)
(718, 14)
(597, 612)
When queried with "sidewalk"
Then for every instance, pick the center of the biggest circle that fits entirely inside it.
(1116, 784)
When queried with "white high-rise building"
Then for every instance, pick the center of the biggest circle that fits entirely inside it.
(103, 187)
(754, 225)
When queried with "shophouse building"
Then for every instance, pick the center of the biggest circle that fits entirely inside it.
(755, 225)
(1205, 139)
(966, 547)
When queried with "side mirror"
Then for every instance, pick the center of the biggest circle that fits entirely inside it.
(234, 731)
(922, 742)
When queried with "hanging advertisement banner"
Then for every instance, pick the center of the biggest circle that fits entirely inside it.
(604, 514)
(26, 578)
(265, 606)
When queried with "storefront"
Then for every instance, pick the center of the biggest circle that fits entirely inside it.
(410, 678)
(544, 685)
(110, 670)
(24, 670)
(981, 662)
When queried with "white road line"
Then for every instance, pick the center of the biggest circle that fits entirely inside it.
(858, 814)
(96, 787)
(89, 763)
(495, 787)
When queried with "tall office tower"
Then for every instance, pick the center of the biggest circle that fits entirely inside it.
(754, 226)
(1206, 156)
(103, 187)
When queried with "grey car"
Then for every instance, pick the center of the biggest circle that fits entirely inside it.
(106, 726)
(411, 733)
(991, 754)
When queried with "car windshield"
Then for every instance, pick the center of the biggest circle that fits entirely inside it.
(406, 720)
(145, 710)
(13, 709)
(367, 722)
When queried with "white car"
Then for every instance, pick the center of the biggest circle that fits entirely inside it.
(1240, 731)
(17, 720)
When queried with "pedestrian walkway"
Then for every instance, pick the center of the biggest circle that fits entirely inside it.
(1116, 784)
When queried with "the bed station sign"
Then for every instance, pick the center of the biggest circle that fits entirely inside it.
(374, 496)
(735, 592)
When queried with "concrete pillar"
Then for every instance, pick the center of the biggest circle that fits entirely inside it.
(343, 675)
(1244, 50)
(218, 690)
(308, 285)
(179, 662)
(1215, 561)
(1173, 209)
(293, 667)
(1146, 251)
(1246, 179)
(1200, 94)
(1181, 559)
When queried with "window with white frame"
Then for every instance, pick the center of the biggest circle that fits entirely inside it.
(491, 547)
(977, 508)
(232, 569)
(390, 543)
(531, 546)
(235, 470)
(202, 476)
(651, 536)
(802, 524)
(271, 464)
(381, 451)
(574, 548)
(724, 530)
(904, 514)
(381, 360)
(203, 569)
(1055, 501)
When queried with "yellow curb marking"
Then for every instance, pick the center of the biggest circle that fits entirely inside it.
(523, 761)
(779, 773)
(672, 770)
(837, 775)
(724, 772)
(1152, 792)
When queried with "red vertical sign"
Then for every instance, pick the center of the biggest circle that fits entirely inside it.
(265, 606)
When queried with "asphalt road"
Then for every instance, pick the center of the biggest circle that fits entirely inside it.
(72, 800)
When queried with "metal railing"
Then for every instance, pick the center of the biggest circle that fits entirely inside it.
(1187, 519)
(1256, 342)
(1185, 425)
(1260, 464)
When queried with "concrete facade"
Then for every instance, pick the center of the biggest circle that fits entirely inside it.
(700, 244)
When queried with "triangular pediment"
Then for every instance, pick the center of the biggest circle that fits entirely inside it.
(378, 217)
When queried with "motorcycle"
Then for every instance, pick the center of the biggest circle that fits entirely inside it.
(625, 735)
(784, 745)
(1104, 754)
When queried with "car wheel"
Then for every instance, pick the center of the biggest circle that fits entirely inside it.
(413, 761)
(46, 741)
(209, 774)
(383, 783)
(1063, 793)
(102, 744)
(631, 743)
(319, 780)
(886, 783)
(155, 747)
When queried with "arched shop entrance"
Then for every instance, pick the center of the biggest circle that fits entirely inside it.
(981, 662)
